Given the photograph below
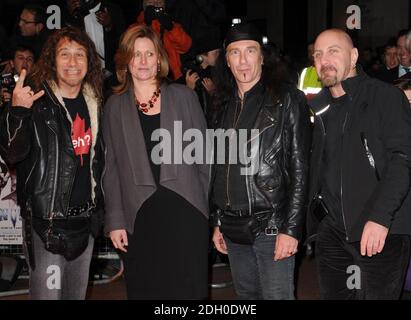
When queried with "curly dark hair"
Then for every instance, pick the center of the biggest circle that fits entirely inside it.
(275, 76)
(45, 68)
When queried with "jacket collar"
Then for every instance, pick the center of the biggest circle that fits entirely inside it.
(134, 138)
(320, 103)
(55, 95)
(254, 90)
(53, 92)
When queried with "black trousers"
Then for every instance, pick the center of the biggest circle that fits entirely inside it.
(345, 274)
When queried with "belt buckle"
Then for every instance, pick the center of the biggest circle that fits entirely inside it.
(271, 231)
(91, 207)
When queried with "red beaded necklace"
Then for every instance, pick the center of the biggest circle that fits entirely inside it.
(144, 107)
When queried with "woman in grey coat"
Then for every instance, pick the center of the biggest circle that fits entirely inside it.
(156, 198)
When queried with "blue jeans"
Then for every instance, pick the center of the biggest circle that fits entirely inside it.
(256, 275)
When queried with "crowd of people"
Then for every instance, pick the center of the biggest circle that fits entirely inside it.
(108, 127)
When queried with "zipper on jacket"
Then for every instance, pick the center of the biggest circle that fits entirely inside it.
(53, 197)
(341, 179)
(228, 202)
(71, 184)
(322, 126)
(35, 161)
(11, 138)
(324, 135)
(369, 155)
(245, 156)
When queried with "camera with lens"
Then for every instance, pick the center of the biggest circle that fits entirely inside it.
(84, 8)
(152, 13)
(158, 11)
(194, 66)
(8, 81)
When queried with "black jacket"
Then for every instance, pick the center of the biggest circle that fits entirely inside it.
(376, 149)
(38, 142)
(388, 75)
(281, 183)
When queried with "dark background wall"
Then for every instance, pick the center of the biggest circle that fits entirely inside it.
(289, 24)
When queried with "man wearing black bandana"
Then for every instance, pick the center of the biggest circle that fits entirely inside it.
(258, 215)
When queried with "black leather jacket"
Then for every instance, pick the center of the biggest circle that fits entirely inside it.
(281, 183)
(38, 142)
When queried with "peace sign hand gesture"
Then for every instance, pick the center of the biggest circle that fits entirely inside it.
(24, 96)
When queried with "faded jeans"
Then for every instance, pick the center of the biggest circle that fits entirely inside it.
(256, 275)
(55, 278)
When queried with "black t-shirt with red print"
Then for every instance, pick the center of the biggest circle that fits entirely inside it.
(81, 138)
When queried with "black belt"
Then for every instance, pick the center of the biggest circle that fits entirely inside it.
(237, 213)
(262, 216)
(243, 212)
(85, 208)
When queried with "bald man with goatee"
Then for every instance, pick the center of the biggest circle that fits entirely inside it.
(360, 177)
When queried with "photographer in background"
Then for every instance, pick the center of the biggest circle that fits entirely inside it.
(198, 72)
(103, 21)
(32, 31)
(175, 40)
(23, 58)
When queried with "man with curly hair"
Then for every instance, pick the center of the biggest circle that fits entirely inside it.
(51, 133)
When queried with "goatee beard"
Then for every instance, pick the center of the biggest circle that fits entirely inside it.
(329, 82)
